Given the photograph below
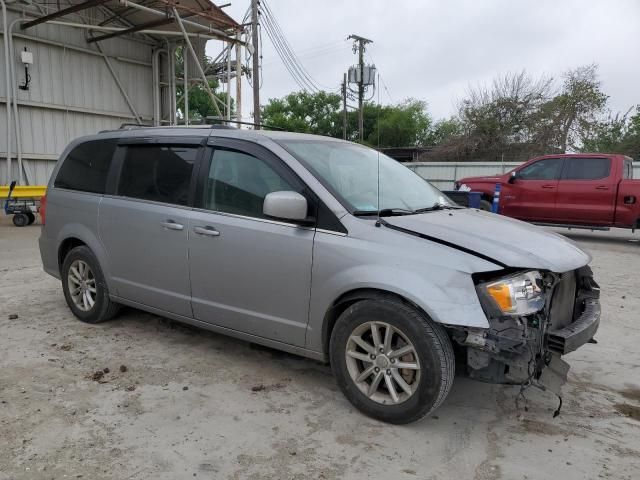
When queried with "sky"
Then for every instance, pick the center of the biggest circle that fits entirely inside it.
(433, 50)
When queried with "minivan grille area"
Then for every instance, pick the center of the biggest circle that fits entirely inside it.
(575, 311)
(563, 301)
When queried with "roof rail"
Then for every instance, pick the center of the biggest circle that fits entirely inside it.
(222, 123)
(133, 126)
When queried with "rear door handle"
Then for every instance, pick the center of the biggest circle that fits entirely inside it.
(208, 231)
(171, 225)
(548, 186)
(602, 187)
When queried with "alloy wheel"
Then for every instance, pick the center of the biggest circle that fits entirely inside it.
(383, 363)
(82, 285)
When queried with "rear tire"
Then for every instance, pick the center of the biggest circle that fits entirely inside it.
(20, 220)
(84, 287)
(486, 205)
(416, 343)
(31, 217)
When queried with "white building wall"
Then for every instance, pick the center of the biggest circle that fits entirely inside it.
(72, 92)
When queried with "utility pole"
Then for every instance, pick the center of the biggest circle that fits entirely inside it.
(344, 107)
(360, 43)
(256, 64)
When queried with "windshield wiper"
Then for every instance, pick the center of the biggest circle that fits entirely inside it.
(437, 206)
(385, 212)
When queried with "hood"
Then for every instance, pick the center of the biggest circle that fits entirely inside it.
(510, 242)
(485, 179)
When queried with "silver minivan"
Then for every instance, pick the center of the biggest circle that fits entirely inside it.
(319, 247)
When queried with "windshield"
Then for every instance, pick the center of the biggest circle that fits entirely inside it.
(350, 172)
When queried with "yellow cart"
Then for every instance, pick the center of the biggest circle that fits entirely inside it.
(22, 201)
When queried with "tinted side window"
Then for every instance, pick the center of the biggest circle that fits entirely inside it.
(238, 182)
(586, 168)
(548, 169)
(87, 166)
(161, 173)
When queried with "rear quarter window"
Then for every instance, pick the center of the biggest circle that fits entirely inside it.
(628, 169)
(86, 167)
(586, 168)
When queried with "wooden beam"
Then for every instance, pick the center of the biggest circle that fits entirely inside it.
(60, 13)
(137, 28)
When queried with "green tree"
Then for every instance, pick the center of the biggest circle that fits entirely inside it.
(518, 116)
(615, 134)
(443, 131)
(403, 125)
(317, 113)
(569, 116)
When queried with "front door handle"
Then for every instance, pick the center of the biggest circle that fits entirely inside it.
(171, 225)
(602, 187)
(208, 231)
(548, 186)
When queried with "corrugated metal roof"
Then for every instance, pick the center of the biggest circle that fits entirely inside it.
(198, 11)
(146, 16)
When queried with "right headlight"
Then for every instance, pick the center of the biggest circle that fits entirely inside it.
(518, 294)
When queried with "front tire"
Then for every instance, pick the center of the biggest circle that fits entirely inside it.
(84, 287)
(391, 361)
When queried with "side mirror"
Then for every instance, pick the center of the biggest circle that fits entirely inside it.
(513, 177)
(285, 205)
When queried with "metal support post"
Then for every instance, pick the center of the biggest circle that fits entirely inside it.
(229, 81)
(238, 81)
(185, 70)
(256, 64)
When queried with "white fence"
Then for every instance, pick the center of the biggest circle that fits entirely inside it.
(443, 174)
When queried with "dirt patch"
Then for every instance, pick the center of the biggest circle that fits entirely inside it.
(538, 427)
(631, 393)
(267, 388)
(627, 410)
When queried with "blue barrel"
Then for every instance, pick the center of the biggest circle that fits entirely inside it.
(474, 199)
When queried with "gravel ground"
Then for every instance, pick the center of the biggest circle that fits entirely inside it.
(143, 397)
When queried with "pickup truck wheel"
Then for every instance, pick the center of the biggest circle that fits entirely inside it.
(391, 361)
(486, 205)
(84, 287)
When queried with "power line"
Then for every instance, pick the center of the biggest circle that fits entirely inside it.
(288, 62)
(288, 57)
(287, 47)
(286, 53)
(384, 85)
(319, 52)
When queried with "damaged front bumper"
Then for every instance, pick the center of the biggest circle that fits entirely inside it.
(576, 334)
(527, 349)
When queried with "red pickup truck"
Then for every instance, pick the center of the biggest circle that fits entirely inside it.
(574, 190)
